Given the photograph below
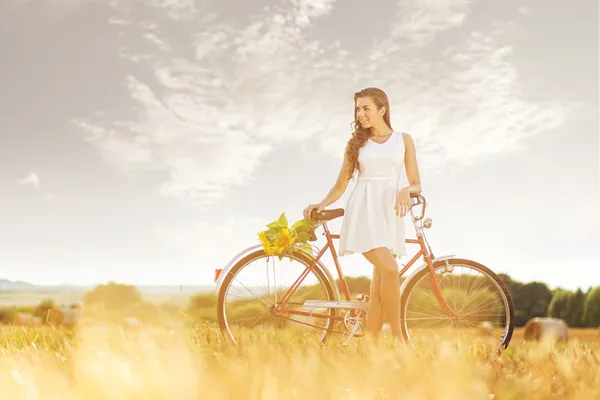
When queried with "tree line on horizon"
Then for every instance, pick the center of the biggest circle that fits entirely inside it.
(578, 309)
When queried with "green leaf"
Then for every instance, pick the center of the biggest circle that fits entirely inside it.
(306, 229)
(302, 237)
(282, 221)
(302, 226)
(296, 224)
(273, 224)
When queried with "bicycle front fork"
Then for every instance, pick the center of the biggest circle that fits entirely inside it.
(437, 289)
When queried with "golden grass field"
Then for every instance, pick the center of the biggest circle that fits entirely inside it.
(103, 362)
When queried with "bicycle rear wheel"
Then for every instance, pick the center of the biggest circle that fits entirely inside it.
(249, 305)
(479, 297)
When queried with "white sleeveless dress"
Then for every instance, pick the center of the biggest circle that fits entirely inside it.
(370, 219)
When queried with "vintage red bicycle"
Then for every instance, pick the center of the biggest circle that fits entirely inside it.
(445, 297)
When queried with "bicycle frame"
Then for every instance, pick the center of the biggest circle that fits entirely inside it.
(348, 303)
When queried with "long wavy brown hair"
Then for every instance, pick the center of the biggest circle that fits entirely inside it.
(360, 135)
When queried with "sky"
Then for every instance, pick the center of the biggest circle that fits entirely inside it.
(148, 141)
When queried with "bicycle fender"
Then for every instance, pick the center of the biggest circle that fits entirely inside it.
(422, 267)
(231, 263)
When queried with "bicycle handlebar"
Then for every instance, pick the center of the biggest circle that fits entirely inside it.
(419, 200)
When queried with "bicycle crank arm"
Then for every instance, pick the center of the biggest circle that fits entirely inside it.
(361, 305)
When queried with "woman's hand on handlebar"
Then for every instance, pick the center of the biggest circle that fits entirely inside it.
(308, 210)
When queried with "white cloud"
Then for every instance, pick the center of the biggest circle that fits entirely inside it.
(419, 21)
(209, 119)
(174, 9)
(221, 112)
(161, 44)
(203, 153)
(306, 10)
(30, 180)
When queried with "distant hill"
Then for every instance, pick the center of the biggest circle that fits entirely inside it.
(15, 286)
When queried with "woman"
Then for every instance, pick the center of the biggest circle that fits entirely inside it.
(373, 222)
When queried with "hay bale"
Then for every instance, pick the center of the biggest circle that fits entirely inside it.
(541, 329)
(65, 317)
(71, 317)
(22, 319)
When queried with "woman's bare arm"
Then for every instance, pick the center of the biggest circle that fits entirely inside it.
(335, 192)
(340, 184)
(412, 168)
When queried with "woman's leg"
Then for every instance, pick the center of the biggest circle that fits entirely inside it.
(375, 314)
(386, 264)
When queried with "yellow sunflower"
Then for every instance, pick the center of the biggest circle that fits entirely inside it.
(266, 243)
(283, 241)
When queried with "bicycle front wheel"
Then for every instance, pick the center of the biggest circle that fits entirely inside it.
(262, 297)
(483, 305)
